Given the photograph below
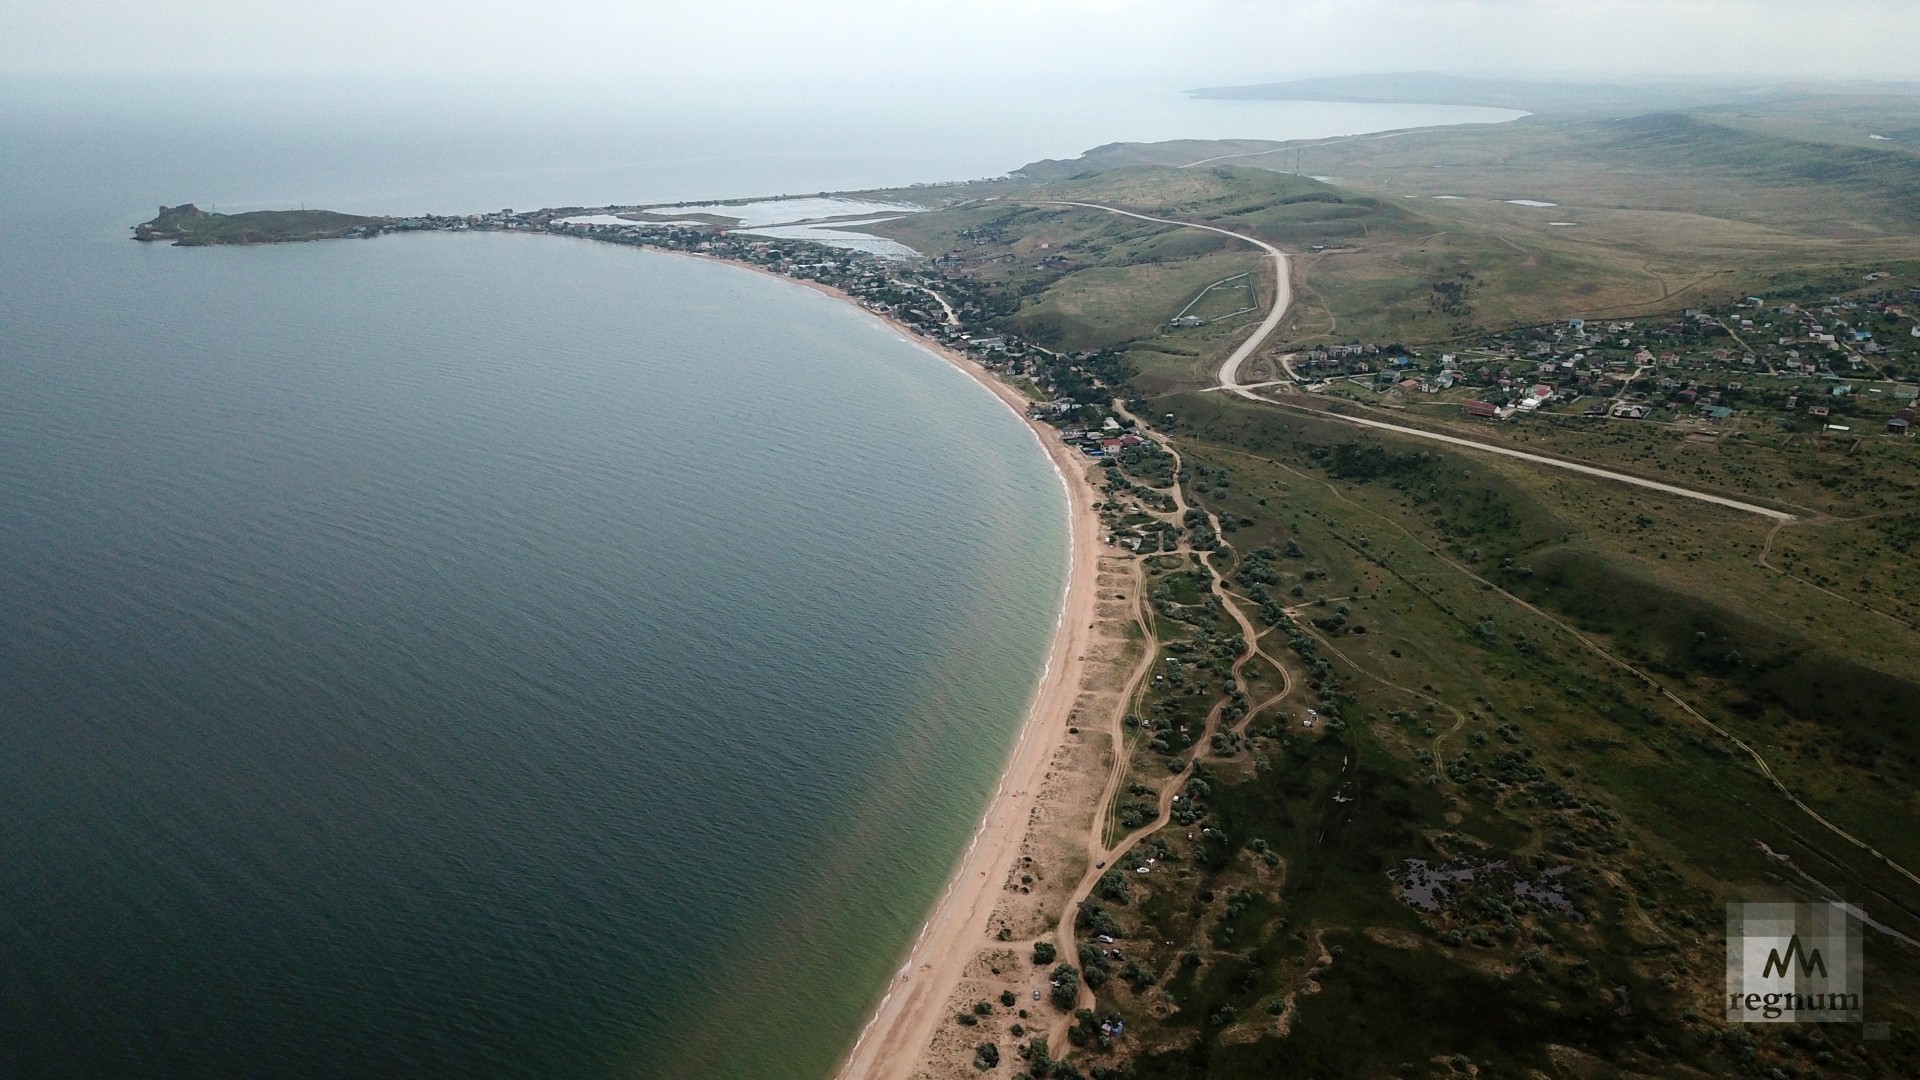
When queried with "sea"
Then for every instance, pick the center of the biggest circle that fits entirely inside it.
(495, 655)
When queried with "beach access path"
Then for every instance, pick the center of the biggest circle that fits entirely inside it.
(897, 1038)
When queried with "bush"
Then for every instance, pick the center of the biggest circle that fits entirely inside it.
(1066, 987)
(1113, 885)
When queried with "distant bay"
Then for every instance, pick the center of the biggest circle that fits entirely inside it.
(486, 655)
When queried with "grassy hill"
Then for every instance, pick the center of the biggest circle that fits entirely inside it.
(189, 226)
(1517, 673)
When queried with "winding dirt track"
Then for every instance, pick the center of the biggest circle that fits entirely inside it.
(1103, 856)
(915, 1001)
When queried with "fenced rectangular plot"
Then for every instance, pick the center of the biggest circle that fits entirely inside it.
(1793, 963)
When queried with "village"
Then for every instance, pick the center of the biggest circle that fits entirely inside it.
(1070, 389)
(1846, 365)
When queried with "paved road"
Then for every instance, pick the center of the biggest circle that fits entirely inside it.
(1541, 459)
(1282, 298)
(1230, 382)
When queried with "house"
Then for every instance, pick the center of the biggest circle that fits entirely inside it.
(1818, 410)
(1916, 331)
(1717, 413)
(1897, 426)
(1481, 409)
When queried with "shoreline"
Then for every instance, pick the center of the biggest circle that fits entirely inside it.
(902, 1023)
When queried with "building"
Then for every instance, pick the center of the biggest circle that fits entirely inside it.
(1482, 409)
(1898, 426)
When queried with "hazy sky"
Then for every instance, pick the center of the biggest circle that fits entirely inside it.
(1174, 42)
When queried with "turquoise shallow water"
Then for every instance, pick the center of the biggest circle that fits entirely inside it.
(488, 655)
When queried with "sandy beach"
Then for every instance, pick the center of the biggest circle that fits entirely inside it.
(1033, 844)
(976, 942)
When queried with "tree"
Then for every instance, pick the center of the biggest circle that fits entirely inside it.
(1066, 986)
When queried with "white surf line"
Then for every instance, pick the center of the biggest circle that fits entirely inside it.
(1539, 459)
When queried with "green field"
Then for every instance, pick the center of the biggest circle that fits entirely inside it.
(1613, 710)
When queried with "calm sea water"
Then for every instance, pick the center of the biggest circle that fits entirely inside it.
(485, 655)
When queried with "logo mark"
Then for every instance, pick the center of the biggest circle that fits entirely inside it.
(1809, 961)
(1793, 963)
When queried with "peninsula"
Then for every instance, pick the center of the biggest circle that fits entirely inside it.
(1482, 575)
(189, 226)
